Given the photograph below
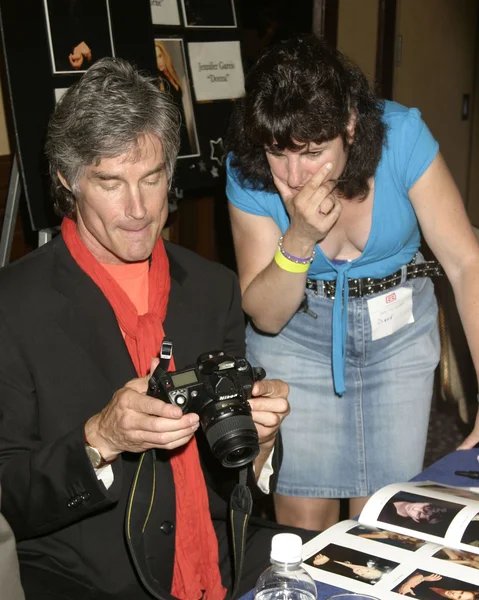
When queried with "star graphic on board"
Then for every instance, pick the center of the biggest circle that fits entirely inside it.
(202, 166)
(214, 171)
(217, 150)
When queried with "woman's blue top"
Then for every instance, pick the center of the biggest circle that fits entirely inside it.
(408, 150)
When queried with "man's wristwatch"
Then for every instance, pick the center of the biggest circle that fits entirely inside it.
(95, 457)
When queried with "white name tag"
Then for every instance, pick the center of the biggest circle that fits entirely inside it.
(390, 311)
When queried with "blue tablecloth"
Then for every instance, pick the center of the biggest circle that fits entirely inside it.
(441, 471)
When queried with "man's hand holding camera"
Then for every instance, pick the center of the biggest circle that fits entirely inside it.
(135, 422)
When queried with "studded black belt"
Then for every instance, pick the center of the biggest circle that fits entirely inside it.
(368, 285)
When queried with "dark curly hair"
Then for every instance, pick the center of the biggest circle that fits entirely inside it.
(302, 91)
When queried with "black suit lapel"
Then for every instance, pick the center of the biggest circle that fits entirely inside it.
(89, 321)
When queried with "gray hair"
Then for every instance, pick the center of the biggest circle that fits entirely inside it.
(103, 116)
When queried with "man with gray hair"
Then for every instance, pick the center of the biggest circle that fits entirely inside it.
(82, 320)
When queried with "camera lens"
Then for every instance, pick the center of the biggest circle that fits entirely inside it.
(240, 453)
(233, 440)
(240, 457)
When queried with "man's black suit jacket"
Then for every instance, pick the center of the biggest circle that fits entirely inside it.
(62, 356)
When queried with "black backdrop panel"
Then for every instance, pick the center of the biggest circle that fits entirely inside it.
(32, 84)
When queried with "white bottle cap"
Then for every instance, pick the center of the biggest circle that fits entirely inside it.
(286, 548)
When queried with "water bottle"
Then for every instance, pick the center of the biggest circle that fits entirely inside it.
(285, 579)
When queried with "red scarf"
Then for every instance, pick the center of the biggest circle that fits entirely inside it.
(196, 554)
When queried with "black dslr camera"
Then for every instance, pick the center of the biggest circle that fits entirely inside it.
(217, 389)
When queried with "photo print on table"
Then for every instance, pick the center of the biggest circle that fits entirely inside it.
(458, 557)
(351, 563)
(217, 70)
(173, 79)
(390, 538)
(424, 585)
(209, 13)
(165, 12)
(419, 513)
(471, 533)
(451, 491)
(79, 33)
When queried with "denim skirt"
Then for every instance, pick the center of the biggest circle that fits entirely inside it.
(373, 435)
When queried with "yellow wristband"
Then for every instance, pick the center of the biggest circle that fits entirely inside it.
(289, 265)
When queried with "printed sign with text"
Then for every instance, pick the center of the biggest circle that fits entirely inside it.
(217, 70)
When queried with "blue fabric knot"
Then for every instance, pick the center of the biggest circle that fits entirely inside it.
(340, 326)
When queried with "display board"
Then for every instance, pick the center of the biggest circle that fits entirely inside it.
(192, 46)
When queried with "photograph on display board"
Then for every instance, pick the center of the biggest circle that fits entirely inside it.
(209, 13)
(217, 70)
(165, 12)
(79, 33)
(173, 78)
(59, 93)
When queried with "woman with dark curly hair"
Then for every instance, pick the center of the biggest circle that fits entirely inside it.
(328, 187)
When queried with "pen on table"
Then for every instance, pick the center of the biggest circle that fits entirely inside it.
(470, 474)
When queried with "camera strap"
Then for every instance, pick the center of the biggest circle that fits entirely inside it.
(138, 511)
(241, 504)
(142, 497)
(166, 353)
